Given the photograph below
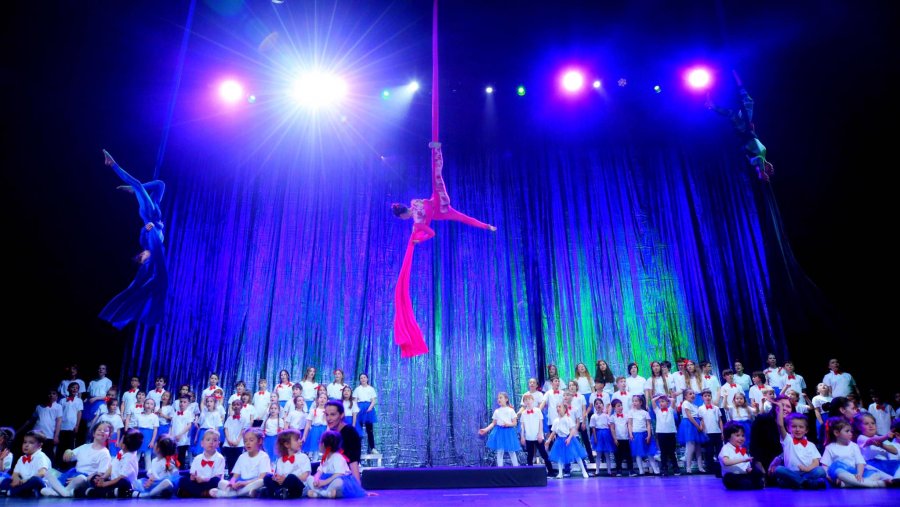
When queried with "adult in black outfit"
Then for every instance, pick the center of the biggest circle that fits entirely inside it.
(351, 445)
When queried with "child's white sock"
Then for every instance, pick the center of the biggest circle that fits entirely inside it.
(513, 458)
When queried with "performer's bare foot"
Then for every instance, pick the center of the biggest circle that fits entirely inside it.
(143, 257)
(492, 228)
(108, 158)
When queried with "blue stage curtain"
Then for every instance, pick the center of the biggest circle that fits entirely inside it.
(616, 253)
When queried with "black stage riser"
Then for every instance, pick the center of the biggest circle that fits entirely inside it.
(454, 477)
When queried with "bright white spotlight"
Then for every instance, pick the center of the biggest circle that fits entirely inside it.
(698, 78)
(413, 86)
(318, 90)
(597, 84)
(489, 90)
(572, 81)
(231, 91)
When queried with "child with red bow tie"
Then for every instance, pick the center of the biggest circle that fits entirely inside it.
(207, 469)
(261, 400)
(234, 430)
(665, 433)
(739, 470)
(291, 469)
(801, 458)
(121, 476)
(182, 423)
(532, 429)
(712, 427)
(333, 478)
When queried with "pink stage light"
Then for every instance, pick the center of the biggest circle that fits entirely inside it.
(231, 91)
(572, 81)
(699, 78)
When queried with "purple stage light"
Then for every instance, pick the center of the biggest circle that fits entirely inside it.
(572, 81)
(231, 91)
(699, 78)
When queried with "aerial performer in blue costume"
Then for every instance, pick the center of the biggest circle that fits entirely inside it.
(742, 121)
(407, 333)
(145, 299)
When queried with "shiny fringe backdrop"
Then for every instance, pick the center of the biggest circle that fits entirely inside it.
(604, 253)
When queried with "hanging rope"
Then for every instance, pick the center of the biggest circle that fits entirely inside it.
(178, 71)
(434, 73)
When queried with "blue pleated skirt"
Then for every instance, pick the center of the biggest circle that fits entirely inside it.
(603, 441)
(842, 466)
(504, 439)
(351, 487)
(269, 445)
(312, 440)
(687, 432)
(145, 445)
(163, 430)
(562, 453)
(640, 448)
(364, 416)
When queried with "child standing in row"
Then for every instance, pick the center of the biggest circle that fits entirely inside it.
(712, 427)
(665, 434)
(602, 436)
(690, 433)
(566, 446)
(642, 443)
(503, 437)
(621, 429)
(367, 398)
(315, 427)
(532, 431)
(234, 439)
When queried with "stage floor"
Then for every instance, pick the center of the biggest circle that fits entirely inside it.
(637, 492)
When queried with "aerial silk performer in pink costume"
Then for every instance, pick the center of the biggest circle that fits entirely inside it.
(407, 333)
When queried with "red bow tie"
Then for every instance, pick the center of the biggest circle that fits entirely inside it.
(119, 456)
(236, 416)
(529, 411)
(879, 407)
(790, 377)
(26, 458)
(262, 393)
(106, 400)
(733, 385)
(204, 463)
(800, 441)
(663, 410)
(181, 412)
(132, 391)
(287, 459)
(70, 398)
(623, 393)
(245, 405)
(741, 450)
(138, 406)
(837, 372)
(556, 391)
(172, 459)
(159, 391)
(707, 377)
(709, 407)
(619, 415)
(212, 386)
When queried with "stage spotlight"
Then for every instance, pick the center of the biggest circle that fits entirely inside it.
(622, 82)
(489, 90)
(413, 86)
(316, 90)
(572, 81)
(386, 94)
(520, 91)
(251, 99)
(597, 84)
(698, 78)
(231, 91)
(657, 89)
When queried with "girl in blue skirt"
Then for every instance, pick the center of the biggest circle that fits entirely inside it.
(567, 447)
(503, 438)
(690, 434)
